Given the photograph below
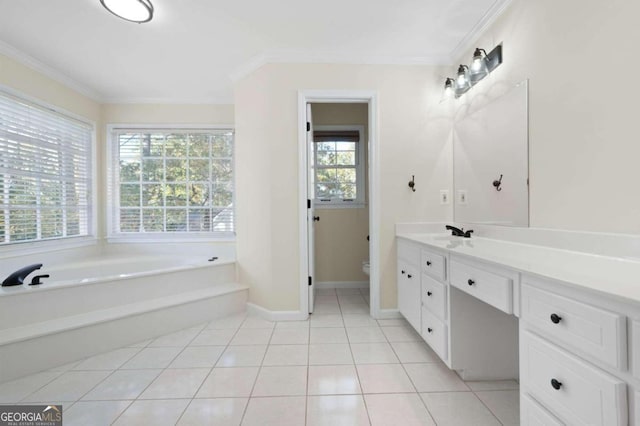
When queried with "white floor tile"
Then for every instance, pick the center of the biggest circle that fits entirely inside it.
(330, 354)
(232, 322)
(176, 383)
(155, 412)
(359, 320)
(152, 358)
(257, 322)
(275, 411)
(179, 339)
(373, 353)
(252, 336)
(351, 299)
(197, 357)
(336, 410)
(326, 308)
(242, 356)
(16, 390)
(505, 405)
(347, 291)
(286, 355)
(228, 382)
(213, 337)
(401, 334)
(108, 361)
(328, 335)
(365, 335)
(458, 409)
(292, 324)
(122, 384)
(491, 385)
(69, 386)
(394, 409)
(141, 344)
(290, 336)
(326, 292)
(70, 366)
(95, 413)
(434, 377)
(393, 322)
(218, 411)
(355, 309)
(281, 381)
(326, 320)
(411, 352)
(384, 378)
(333, 380)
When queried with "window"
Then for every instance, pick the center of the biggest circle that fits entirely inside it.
(173, 182)
(338, 167)
(45, 173)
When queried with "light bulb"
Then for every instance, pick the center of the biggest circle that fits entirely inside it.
(478, 69)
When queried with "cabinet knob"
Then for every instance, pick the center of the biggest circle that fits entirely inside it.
(470, 281)
(429, 293)
(403, 272)
(556, 384)
(555, 318)
(429, 330)
(428, 263)
(409, 276)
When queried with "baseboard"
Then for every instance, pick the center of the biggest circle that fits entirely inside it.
(254, 309)
(389, 314)
(342, 284)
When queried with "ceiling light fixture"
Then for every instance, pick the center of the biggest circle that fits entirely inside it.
(483, 64)
(138, 11)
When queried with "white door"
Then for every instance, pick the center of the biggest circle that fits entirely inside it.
(310, 210)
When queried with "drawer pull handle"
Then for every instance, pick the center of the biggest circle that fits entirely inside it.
(429, 330)
(429, 293)
(409, 276)
(556, 384)
(555, 318)
(428, 263)
(470, 281)
(403, 272)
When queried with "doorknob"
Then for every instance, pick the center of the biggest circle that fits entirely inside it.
(316, 218)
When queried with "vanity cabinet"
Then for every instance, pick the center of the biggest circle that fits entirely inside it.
(408, 279)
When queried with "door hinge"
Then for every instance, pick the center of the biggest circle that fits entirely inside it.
(308, 203)
(308, 126)
(310, 280)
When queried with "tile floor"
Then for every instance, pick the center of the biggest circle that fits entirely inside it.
(339, 368)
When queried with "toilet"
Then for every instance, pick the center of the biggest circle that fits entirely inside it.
(365, 266)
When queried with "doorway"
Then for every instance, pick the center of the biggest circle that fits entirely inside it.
(338, 181)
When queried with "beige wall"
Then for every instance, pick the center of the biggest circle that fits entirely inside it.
(341, 234)
(168, 114)
(413, 140)
(581, 59)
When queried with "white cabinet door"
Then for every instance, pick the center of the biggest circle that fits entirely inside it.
(409, 293)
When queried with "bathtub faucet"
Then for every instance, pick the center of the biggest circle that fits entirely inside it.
(17, 278)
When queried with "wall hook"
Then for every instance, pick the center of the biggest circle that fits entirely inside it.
(412, 183)
(497, 183)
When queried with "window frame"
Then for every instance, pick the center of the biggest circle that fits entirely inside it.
(361, 170)
(21, 248)
(113, 187)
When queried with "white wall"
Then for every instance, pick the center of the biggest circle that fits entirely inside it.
(582, 63)
(414, 138)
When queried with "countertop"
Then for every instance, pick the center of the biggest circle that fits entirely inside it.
(618, 277)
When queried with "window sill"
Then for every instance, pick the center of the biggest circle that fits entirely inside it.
(170, 238)
(328, 206)
(35, 247)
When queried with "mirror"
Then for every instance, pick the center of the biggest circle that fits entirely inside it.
(491, 162)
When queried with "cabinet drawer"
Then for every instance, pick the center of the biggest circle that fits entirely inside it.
(434, 264)
(576, 391)
(434, 297)
(533, 414)
(434, 332)
(408, 252)
(599, 333)
(491, 288)
(409, 293)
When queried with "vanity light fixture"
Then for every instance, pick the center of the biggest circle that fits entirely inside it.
(483, 64)
(138, 11)
(448, 87)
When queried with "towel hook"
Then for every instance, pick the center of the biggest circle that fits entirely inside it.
(497, 183)
(412, 183)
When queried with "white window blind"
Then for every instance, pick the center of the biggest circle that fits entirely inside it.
(173, 181)
(45, 173)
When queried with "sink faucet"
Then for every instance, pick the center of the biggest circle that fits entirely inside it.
(459, 232)
(17, 278)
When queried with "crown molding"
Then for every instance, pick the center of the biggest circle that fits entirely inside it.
(221, 100)
(309, 57)
(467, 43)
(36, 65)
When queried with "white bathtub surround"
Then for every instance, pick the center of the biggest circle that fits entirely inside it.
(565, 306)
(191, 381)
(92, 306)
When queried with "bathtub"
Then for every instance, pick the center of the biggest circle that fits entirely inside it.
(106, 302)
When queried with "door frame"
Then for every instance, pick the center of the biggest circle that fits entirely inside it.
(369, 97)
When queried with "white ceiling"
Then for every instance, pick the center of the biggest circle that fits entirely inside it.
(193, 49)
